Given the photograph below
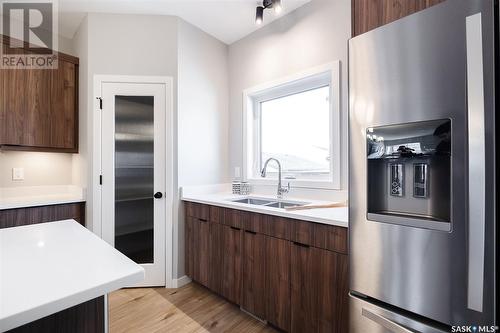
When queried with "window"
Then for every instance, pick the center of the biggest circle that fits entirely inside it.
(295, 120)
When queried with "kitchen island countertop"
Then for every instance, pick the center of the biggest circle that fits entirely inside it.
(49, 267)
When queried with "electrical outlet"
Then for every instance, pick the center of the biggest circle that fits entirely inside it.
(237, 172)
(18, 174)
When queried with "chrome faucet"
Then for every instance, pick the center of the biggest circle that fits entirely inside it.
(281, 189)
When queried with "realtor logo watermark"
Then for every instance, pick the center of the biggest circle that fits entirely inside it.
(31, 28)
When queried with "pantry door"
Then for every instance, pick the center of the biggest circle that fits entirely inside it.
(133, 158)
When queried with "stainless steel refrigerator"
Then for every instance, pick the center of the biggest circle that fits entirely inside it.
(422, 183)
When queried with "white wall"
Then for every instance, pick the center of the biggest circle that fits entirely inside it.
(164, 46)
(203, 108)
(202, 117)
(80, 166)
(312, 35)
(65, 45)
(40, 169)
(117, 44)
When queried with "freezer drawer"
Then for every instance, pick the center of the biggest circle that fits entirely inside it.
(368, 317)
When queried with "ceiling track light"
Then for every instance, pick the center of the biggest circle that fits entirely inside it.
(259, 15)
(267, 4)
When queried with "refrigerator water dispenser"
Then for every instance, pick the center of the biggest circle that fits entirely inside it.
(408, 170)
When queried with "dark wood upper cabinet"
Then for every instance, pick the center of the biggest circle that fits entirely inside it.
(39, 107)
(371, 14)
(64, 90)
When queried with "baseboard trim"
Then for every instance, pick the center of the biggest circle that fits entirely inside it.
(180, 282)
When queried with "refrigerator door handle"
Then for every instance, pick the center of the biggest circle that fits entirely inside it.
(477, 172)
(384, 322)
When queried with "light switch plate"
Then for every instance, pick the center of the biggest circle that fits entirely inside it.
(17, 173)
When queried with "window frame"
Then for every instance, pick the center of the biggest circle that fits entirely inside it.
(314, 78)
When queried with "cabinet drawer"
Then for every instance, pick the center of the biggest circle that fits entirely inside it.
(197, 210)
(234, 218)
(227, 216)
(32, 215)
(276, 226)
(322, 236)
(252, 222)
(330, 238)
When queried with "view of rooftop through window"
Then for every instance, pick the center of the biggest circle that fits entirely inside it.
(295, 129)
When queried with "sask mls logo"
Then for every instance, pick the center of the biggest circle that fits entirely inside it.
(30, 28)
(474, 329)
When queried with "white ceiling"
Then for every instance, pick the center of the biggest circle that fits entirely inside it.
(226, 20)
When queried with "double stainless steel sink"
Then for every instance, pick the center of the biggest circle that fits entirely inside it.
(269, 203)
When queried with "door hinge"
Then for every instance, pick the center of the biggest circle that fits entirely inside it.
(100, 179)
(100, 102)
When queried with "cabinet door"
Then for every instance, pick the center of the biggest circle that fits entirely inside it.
(215, 257)
(371, 14)
(189, 246)
(63, 122)
(278, 282)
(201, 251)
(26, 107)
(319, 289)
(304, 288)
(253, 297)
(333, 311)
(231, 267)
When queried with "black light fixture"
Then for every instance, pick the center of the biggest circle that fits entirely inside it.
(277, 6)
(259, 13)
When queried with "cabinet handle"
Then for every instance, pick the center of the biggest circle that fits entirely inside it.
(203, 220)
(235, 228)
(251, 232)
(301, 245)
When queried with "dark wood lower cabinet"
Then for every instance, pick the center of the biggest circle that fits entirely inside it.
(32, 215)
(87, 317)
(231, 266)
(304, 276)
(216, 257)
(278, 282)
(319, 290)
(333, 299)
(201, 251)
(264, 267)
(253, 296)
(189, 245)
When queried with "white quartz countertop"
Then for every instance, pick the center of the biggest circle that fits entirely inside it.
(21, 197)
(332, 216)
(48, 267)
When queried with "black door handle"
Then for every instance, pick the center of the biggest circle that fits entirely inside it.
(158, 195)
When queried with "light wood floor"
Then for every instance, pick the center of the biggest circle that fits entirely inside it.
(191, 308)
